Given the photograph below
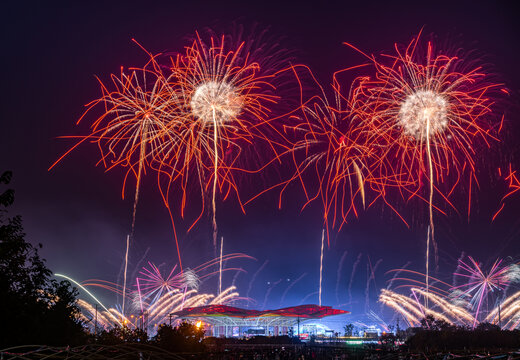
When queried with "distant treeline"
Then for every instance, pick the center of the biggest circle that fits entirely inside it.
(463, 339)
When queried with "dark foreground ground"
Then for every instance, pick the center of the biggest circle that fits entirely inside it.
(148, 352)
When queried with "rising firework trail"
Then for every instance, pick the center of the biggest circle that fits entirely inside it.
(254, 277)
(290, 287)
(220, 266)
(269, 290)
(338, 274)
(354, 267)
(124, 275)
(321, 264)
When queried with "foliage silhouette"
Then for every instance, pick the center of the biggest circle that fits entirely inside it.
(185, 337)
(36, 309)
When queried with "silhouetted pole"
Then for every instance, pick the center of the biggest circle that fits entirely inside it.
(95, 322)
(499, 315)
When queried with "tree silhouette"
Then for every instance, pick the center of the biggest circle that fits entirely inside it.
(36, 309)
(118, 335)
(184, 338)
(349, 328)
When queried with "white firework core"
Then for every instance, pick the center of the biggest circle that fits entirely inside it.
(214, 98)
(421, 109)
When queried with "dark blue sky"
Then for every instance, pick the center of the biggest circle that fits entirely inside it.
(51, 53)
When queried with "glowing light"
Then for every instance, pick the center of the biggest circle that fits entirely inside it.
(422, 111)
(217, 101)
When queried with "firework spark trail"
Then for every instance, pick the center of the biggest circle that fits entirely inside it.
(140, 294)
(269, 292)
(413, 283)
(100, 317)
(308, 296)
(397, 273)
(254, 277)
(513, 187)
(459, 260)
(84, 289)
(354, 267)
(153, 284)
(235, 277)
(321, 264)
(338, 274)
(220, 266)
(215, 172)
(457, 313)
(290, 286)
(409, 312)
(428, 260)
(126, 269)
(159, 310)
(158, 295)
(195, 116)
(453, 306)
(371, 314)
(413, 310)
(371, 275)
(226, 296)
(138, 265)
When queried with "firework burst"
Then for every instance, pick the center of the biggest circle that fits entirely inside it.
(337, 153)
(428, 113)
(479, 283)
(223, 103)
(136, 112)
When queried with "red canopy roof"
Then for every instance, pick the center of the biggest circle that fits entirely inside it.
(302, 311)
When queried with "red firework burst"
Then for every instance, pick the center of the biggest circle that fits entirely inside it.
(224, 99)
(428, 115)
(328, 144)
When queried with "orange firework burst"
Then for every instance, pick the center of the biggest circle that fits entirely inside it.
(428, 116)
(428, 113)
(328, 142)
(190, 120)
(224, 97)
(133, 126)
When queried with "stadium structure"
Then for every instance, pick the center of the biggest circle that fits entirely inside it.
(228, 321)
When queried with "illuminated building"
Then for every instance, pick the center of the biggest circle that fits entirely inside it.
(228, 321)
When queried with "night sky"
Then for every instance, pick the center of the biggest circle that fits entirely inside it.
(51, 53)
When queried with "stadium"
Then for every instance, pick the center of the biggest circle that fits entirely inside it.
(228, 321)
